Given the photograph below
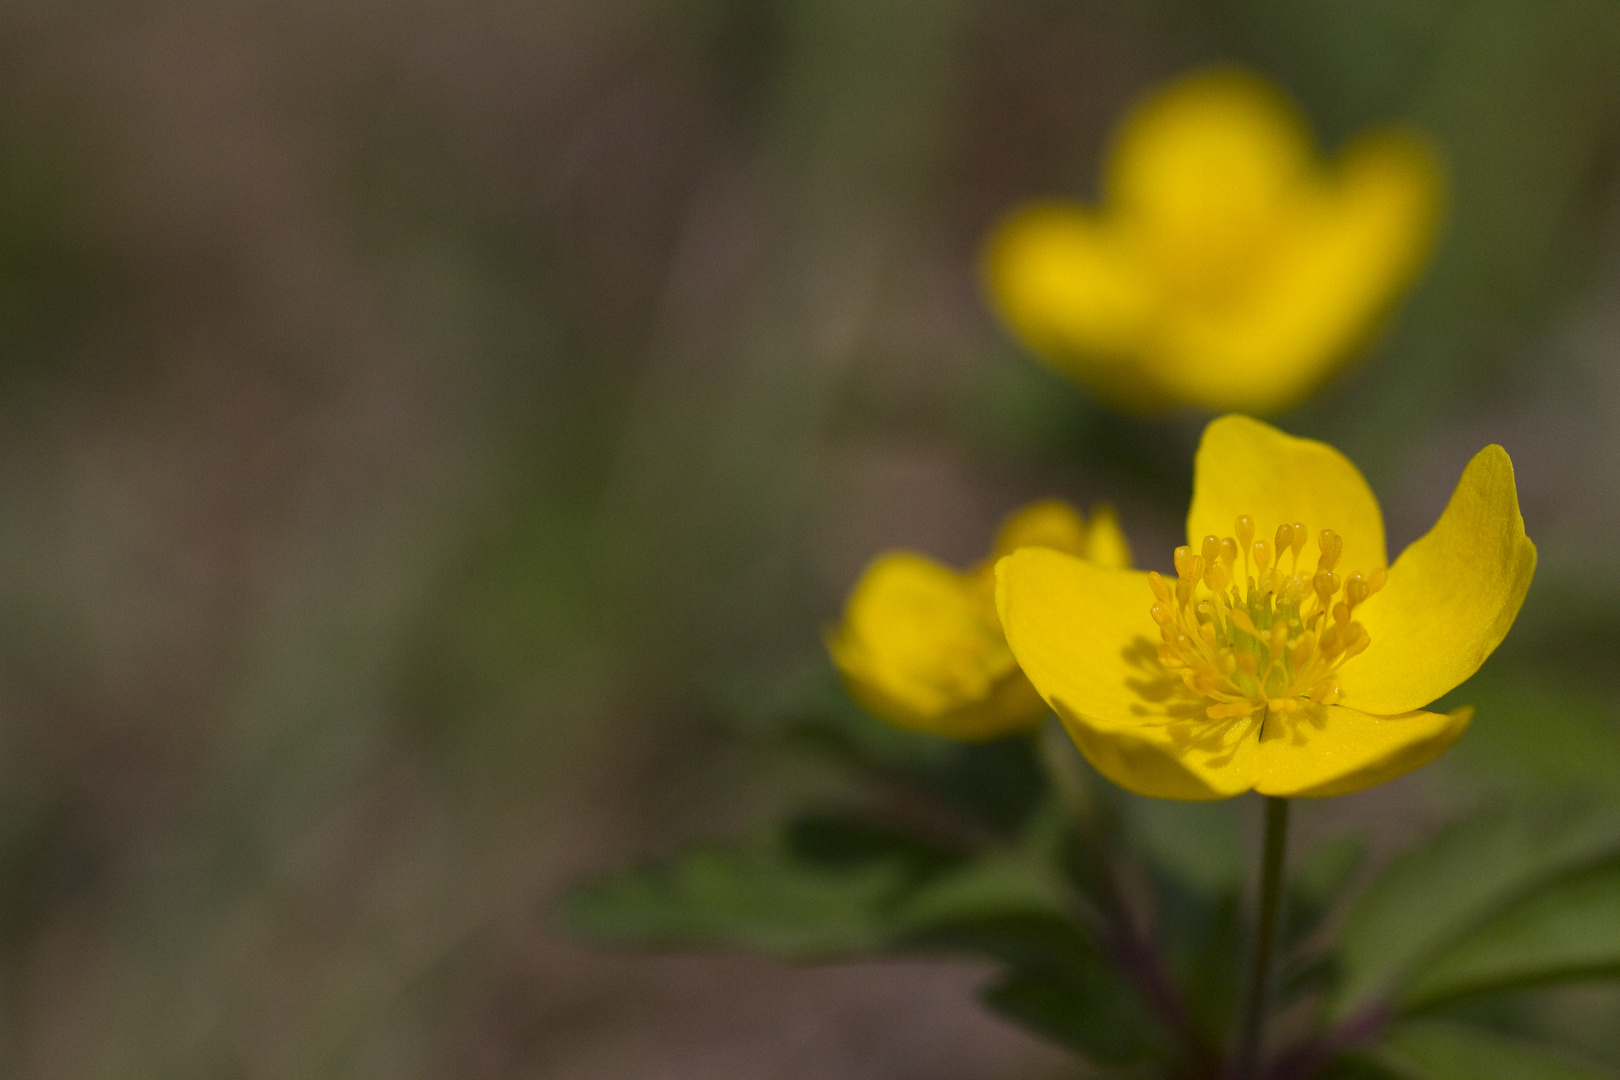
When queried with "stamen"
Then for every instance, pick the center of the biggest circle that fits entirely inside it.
(1331, 544)
(1251, 643)
(1160, 587)
(1262, 555)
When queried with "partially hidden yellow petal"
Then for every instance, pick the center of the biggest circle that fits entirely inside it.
(1451, 596)
(919, 646)
(1105, 540)
(1334, 750)
(1074, 294)
(1339, 252)
(1204, 161)
(1049, 523)
(1086, 641)
(1244, 466)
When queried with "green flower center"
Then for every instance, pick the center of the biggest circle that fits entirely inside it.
(1262, 640)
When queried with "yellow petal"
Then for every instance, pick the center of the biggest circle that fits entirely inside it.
(1451, 596)
(1200, 167)
(1319, 751)
(1105, 540)
(1071, 292)
(1083, 636)
(1340, 251)
(920, 647)
(1247, 467)
(1049, 523)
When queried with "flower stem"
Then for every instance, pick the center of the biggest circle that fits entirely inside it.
(1252, 1033)
(1132, 951)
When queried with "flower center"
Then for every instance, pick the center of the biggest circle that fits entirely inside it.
(1252, 637)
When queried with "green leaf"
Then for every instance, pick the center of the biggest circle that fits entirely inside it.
(1432, 896)
(996, 884)
(1568, 930)
(761, 900)
(995, 785)
(1085, 1008)
(1444, 1050)
(1018, 909)
(841, 839)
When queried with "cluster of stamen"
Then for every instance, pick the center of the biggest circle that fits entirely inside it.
(1253, 638)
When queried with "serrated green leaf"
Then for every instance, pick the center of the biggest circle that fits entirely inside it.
(1432, 896)
(760, 900)
(1085, 1008)
(1570, 929)
(993, 885)
(994, 785)
(1035, 943)
(1444, 1050)
(842, 839)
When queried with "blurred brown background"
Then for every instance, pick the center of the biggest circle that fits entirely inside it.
(417, 416)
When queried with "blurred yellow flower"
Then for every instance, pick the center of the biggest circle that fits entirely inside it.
(1229, 267)
(920, 644)
(1253, 670)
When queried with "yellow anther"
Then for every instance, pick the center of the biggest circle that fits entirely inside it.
(1247, 662)
(1301, 534)
(1376, 580)
(1285, 539)
(1162, 614)
(1303, 650)
(1331, 545)
(1217, 577)
(1356, 589)
(1226, 661)
(1244, 526)
(1184, 561)
(1230, 710)
(1229, 552)
(1184, 590)
(1326, 583)
(1240, 619)
(1170, 657)
(1359, 640)
(1279, 638)
(1207, 632)
(1210, 549)
(1327, 692)
(1160, 587)
(1262, 554)
(1286, 704)
(1332, 641)
(1341, 613)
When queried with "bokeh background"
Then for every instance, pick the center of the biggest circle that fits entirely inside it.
(422, 425)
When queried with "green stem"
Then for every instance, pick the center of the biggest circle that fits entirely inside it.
(1132, 951)
(1252, 1033)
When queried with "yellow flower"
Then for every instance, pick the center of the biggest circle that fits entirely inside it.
(1256, 668)
(921, 646)
(1229, 267)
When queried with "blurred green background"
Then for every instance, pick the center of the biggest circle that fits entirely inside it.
(424, 422)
